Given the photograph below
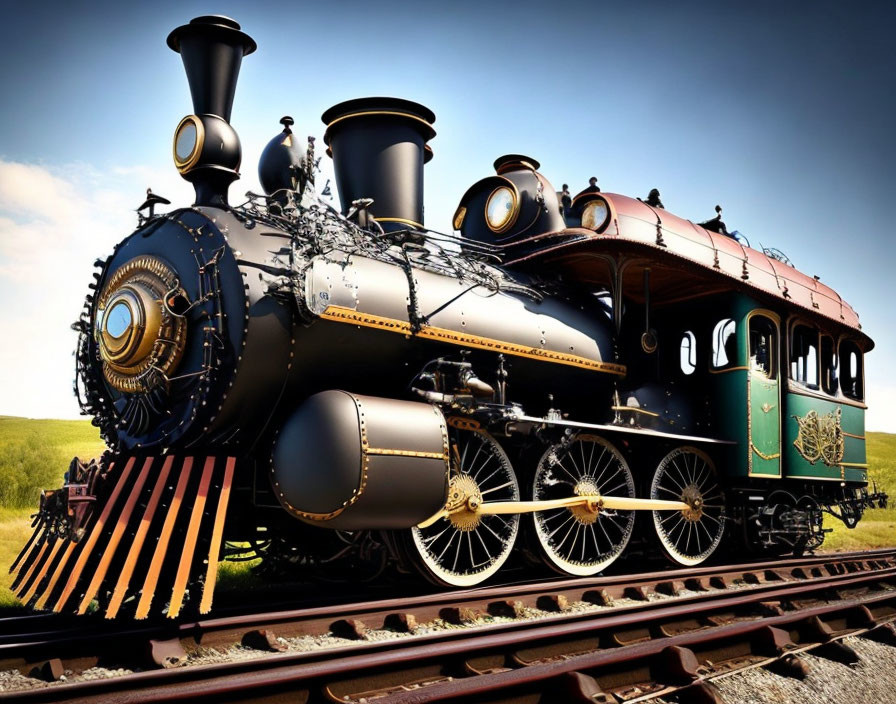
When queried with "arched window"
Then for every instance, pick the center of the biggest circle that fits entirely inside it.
(688, 353)
(724, 344)
(852, 379)
(829, 365)
(763, 346)
(804, 356)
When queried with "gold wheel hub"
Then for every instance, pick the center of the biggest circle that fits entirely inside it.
(694, 499)
(586, 513)
(464, 500)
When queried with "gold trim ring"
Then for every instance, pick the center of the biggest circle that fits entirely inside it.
(184, 165)
(370, 113)
(514, 213)
(402, 221)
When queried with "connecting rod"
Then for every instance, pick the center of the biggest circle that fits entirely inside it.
(594, 503)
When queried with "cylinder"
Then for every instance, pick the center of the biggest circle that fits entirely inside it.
(351, 462)
(379, 147)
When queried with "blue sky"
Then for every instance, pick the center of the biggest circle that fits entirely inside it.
(780, 112)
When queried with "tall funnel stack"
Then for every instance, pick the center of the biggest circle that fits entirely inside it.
(379, 147)
(207, 150)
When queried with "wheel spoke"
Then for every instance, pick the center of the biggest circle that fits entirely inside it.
(569, 518)
(496, 488)
(572, 459)
(432, 539)
(489, 528)
(571, 475)
(569, 530)
(485, 481)
(448, 545)
(677, 494)
(607, 492)
(595, 478)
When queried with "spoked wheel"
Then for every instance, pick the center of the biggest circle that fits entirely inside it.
(575, 540)
(691, 535)
(465, 548)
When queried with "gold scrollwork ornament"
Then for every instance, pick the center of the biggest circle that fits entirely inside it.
(820, 437)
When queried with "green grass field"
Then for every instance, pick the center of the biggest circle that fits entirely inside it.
(34, 454)
(878, 527)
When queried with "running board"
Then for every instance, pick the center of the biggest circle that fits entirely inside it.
(559, 422)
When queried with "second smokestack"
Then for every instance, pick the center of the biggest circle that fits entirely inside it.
(378, 146)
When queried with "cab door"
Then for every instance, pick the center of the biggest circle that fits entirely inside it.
(764, 403)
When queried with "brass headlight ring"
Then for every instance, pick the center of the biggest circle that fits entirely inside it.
(596, 214)
(502, 208)
(189, 139)
(135, 331)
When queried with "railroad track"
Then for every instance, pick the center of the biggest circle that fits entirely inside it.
(620, 638)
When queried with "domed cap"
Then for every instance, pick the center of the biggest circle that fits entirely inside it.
(280, 165)
(369, 107)
(515, 162)
(218, 26)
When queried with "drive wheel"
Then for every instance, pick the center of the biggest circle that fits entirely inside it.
(574, 540)
(691, 535)
(466, 549)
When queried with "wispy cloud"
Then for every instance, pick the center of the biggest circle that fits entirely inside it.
(55, 220)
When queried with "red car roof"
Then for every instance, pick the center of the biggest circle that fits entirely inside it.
(635, 222)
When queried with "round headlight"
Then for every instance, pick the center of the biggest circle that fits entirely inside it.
(135, 331)
(188, 140)
(501, 209)
(596, 214)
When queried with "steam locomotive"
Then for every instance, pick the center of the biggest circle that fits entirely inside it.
(341, 392)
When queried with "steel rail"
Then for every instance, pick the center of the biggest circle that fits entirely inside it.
(319, 619)
(290, 670)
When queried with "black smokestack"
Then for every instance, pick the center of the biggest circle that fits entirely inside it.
(207, 150)
(379, 147)
(212, 48)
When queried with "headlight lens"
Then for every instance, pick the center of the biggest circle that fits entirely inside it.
(188, 140)
(596, 214)
(501, 209)
(119, 320)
